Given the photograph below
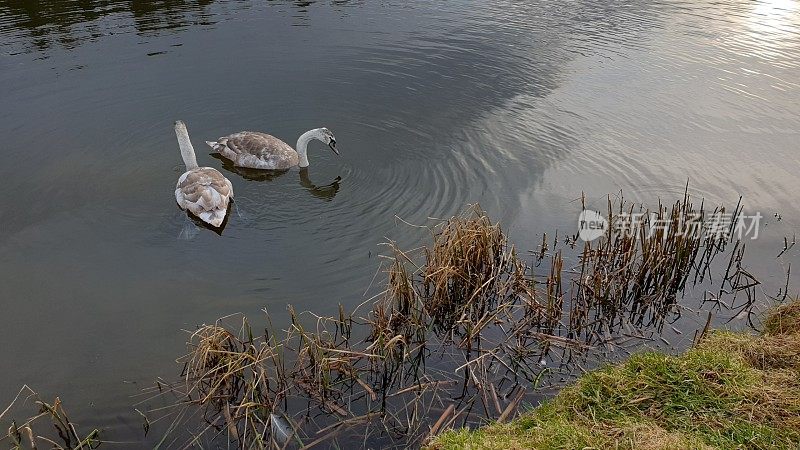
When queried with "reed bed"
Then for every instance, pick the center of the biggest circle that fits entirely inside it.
(636, 273)
(231, 375)
(34, 432)
(469, 271)
(463, 332)
(733, 390)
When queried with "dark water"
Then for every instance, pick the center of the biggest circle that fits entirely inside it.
(520, 106)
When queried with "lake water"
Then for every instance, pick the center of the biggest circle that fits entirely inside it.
(520, 106)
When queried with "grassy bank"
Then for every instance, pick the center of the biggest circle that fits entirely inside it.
(733, 390)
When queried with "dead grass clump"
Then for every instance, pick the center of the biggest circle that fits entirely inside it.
(31, 433)
(762, 352)
(399, 319)
(230, 375)
(784, 319)
(325, 365)
(470, 268)
(776, 397)
(776, 400)
(216, 363)
(469, 279)
(647, 435)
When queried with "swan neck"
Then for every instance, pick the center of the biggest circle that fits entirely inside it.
(187, 151)
(302, 147)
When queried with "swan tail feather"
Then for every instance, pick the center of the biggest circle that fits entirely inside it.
(214, 217)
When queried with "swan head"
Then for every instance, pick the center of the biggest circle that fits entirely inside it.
(327, 137)
(320, 134)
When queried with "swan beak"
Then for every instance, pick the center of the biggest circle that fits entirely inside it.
(332, 145)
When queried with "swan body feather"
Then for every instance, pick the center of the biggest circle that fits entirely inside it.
(255, 150)
(203, 191)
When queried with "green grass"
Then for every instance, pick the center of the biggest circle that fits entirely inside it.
(734, 390)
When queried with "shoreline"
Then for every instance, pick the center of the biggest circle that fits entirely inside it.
(732, 390)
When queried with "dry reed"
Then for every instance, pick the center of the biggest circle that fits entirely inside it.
(491, 323)
(31, 433)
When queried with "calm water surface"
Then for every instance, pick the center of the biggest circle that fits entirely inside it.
(520, 106)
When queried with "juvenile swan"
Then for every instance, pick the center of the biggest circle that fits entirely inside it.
(263, 151)
(203, 191)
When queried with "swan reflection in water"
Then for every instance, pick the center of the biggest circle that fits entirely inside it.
(324, 192)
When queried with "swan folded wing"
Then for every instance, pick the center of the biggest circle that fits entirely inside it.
(257, 150)
(205, 193)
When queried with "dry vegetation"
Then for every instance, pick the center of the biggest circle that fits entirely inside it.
(785, 320)
(459, 335)
(733, 390)
(462, 333)
(48, 427)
